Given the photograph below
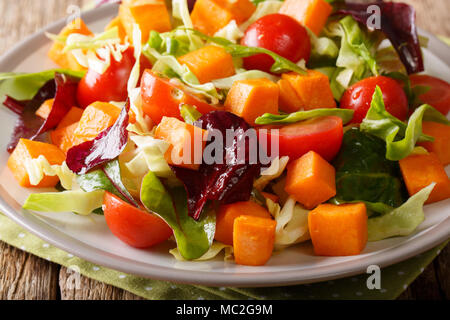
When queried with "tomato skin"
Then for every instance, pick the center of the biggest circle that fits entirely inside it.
(359, 97)
(439, 94)
(278, 33)
(161, 98)
(322, 135)
(134, 226)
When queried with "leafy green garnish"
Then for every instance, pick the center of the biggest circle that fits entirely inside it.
(189, 114)
(23, 86)
(194, 238)
(401, 221)
(345, 114)
(364, 174)
(80, 202)
(400, 138)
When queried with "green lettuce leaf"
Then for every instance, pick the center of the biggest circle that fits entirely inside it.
(401, 221)
(80, 202)
(364, 174)
(23, 86)
(400, 138)
(345, 114)
(194, 238)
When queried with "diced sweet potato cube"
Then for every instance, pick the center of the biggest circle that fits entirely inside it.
(313, 90)
(209, 63)
(311, 180)
(27, 149)
(338, 230)
(65, 138)
(228, 213)
(45, 109)
(253, 240)
(441, 144)
(186, 142)
(288, 101)
(96, 118)
(116, 22)
(252, 98)
(74, 115)
(420, 170)
(66, 60)
(148, 14)
(209, 16)
(311, 13)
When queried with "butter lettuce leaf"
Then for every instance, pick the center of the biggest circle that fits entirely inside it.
(194, 238)
(80, 202)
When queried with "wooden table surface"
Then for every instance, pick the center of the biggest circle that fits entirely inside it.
(24, 276)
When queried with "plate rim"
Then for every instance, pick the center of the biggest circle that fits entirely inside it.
(433, 236)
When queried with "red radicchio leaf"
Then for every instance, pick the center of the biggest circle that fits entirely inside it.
(62, 88)
(228, 182)
(28, 123)
(398, 23)
(107, 146)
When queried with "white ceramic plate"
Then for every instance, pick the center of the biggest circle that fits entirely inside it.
(89, 237)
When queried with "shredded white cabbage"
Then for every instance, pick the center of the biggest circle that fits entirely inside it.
(180, 10)
(134, 75)
(230, 32)
(38, 168)
(273, 172)
(143, 123)
(292, 223)
(227, 83)
(214, 251)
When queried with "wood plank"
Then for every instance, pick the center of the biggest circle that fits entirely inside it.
(76, 287)
(24, 276)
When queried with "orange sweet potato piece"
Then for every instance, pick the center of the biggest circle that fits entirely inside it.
(288, 101)
(311, 13)
(209, 63)
(116, 22)
(338, 230)
(27, 149)
(148, 14)
(252, 98)
(65, 138)
(66, 60)
(209, 16)
(186, 142)
(74, 115)
(45, 109)
(311, 180)
(441, 144)
(271, 196)
(96, 118)
(420, 170)
(313, 90)
(253, 240)
(228, 213)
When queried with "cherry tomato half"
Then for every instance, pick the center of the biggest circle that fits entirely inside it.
(162, 98)
(278, 33)
(439, 94)
(112, 84)
(135, 227)
(359, 97)
(322, 135)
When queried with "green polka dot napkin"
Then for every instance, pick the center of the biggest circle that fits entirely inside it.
(394, 279)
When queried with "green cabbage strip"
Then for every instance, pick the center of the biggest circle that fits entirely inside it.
(401, 221)
(345, 114)
(23, 86)
(400, 138)
(80, 202)
(194, 238)
(227, 83)
(189, 113)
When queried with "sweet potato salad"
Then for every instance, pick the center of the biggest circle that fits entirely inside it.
(236, 128)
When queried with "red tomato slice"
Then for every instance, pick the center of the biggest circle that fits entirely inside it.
(135, 227)
(161, 98)
(322, 135)
(439, 94)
